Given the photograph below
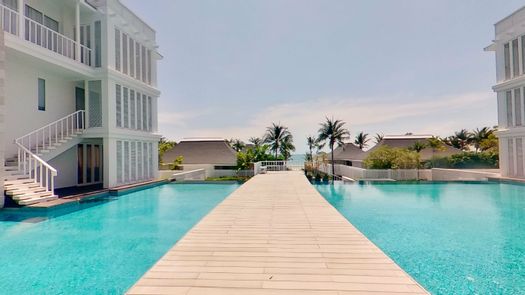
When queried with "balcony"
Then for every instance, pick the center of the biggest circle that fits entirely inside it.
(44, 37)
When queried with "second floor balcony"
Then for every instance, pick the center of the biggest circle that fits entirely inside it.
(39, 29)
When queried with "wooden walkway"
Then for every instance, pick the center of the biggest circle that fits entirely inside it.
(275, 235)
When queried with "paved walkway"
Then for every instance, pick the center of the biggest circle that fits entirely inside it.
(275, 235)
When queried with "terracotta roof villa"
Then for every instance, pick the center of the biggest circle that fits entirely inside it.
(215, 155)
(406, 141)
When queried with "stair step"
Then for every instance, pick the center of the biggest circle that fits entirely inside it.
(38, 200)
(28, 191)
(11, 182)
(31, 196)
(21, 187)
(15, 177)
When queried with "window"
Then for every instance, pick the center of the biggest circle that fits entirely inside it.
(126, 108)
(98, 42)
(117, 49)
(137, 60)
(125, 53)
(143, 52)
(139, 112)
(80, 164)
(133, 161)
(51, 23)
(506, 54)
(145, 159)
(150, 160)
(132, 108)
(511, 156)
(34, 14)
(119, 161)
(515, 58)
(150, 113)
(517, 106)
(149, 66)
(89, 163)
(119, 105)
(41, 94)
(144, 113)
(95, 103)
(140, 173)
(519, 156)
(126, 161)
(509, 108)
(13, 4)
(131, 57)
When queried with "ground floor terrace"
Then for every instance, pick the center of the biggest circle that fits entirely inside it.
(275, 235)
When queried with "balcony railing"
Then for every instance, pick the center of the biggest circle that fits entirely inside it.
(43, 36)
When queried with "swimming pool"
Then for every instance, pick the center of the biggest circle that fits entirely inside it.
(453, 238)
(104, 247)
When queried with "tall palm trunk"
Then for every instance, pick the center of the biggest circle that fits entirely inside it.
(333, 165)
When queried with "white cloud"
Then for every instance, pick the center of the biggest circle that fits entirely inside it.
(436, 115)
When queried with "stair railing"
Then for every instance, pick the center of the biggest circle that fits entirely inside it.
(36, 169)
(53, 133)
(29, 145)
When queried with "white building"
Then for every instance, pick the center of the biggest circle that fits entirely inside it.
(509, 46)
(80, 96)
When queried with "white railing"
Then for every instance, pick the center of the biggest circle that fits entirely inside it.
(9, 20)
(263, 166)
(363, 174)
(43, 36)
(54, 133)
(36, 169)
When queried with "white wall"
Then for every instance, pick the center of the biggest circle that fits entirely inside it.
(439, 174)
(22, 98)
(2, 113)
(66, 165)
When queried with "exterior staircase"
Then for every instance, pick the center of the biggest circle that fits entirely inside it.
(28, 178)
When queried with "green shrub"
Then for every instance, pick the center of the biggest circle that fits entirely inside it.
(386, 157)
(466, 160)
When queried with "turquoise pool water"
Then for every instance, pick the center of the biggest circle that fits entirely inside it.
(104, 247)
(453, 238)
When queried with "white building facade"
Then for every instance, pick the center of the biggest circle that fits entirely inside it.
(80, 96)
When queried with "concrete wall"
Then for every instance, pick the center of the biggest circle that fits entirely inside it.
(456, 174)
(66, 165)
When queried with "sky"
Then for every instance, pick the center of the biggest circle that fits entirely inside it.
(231, 68)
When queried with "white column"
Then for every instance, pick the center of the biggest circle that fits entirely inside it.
(77, 30)
(21, 22)
(86, 102)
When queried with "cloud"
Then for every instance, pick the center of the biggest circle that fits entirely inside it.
(438, 115)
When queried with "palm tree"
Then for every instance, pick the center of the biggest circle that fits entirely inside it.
(361, 140)
(418, 146)
(333, 131)
(378, 137)
(237, 144)
(256, 141)
(479, 135)
(312, 143)
(275, 136)
(286, 148)
(436, 144)
(463, 139)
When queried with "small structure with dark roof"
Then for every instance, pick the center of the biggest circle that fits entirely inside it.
(215, 155)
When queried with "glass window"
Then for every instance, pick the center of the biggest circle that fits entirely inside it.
(132, 108)
(139, 111)
(117, 49)
(143, 52)
(145, 159)
(519, 157)
(89, 163)
(517, 106)
(97, 163)
(509, 109)
(119, 106)
(144, 113)
(137, 60)
(515, 58)
(149, 66)
(139, 161)
(13, 4)
(98, 44)
(506, 53)
(51, 23)
(126, 108)
(150, 113)
(131, 57)
(124, 53)
(133, 161)
(41, 94)
(511, 156)
(126, 161)
(119, 161)
(34, 14)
